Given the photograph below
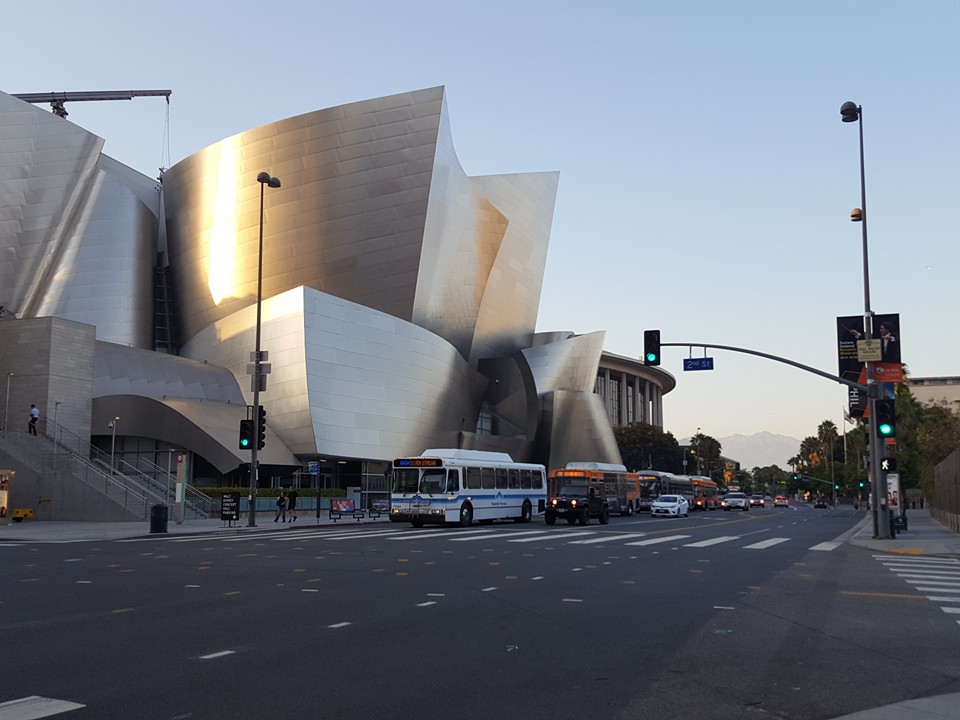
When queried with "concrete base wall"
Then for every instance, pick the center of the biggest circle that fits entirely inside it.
(56, 495)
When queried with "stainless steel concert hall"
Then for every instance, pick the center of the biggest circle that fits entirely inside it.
(397, 301)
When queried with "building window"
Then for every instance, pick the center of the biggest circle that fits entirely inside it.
(631, 404)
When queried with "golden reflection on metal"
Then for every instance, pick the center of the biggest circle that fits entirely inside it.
(222, 252)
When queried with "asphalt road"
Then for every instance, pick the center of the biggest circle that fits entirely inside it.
(718, 615)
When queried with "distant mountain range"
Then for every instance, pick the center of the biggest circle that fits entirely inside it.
(759, 450)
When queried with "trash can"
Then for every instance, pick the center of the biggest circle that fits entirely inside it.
(158, 518)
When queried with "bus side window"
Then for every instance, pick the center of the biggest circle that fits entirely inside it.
(453, 480)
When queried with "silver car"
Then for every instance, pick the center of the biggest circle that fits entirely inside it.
(735, 501)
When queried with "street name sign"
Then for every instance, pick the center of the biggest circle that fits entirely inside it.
(705, 363)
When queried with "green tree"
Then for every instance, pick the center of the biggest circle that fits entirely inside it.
(648, 447)
(707, 449)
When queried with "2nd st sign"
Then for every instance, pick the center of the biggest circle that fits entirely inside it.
(705, 363)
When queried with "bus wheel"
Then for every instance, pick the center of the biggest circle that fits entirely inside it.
(604, 515)
(526, 513)
(466, 515)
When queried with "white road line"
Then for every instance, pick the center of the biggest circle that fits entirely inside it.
(764, 544)
(427, 604)
(826, 546)
(608, 538)
(713, 541)
(952, 611)
(434, 534)
(932, 576)
(942, 598)
(931, 581)
(938, 589)
(495, 535)
(656, 541)
(337, 626)
(213, 656)
(560, 536)
(35, 707)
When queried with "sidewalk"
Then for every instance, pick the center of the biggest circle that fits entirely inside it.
(925, 536)
(52, 531)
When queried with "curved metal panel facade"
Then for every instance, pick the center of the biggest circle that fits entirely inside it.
(77, 235)
(347, 220)
(347, 380)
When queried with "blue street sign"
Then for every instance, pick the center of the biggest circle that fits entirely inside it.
(698, 363)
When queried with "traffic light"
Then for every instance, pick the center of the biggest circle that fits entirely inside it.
(651, 347)
(836, 487)
(886, 420)
(261, 427)
(861, 483)
(246, 434)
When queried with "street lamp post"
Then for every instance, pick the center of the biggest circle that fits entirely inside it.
(265, 180)
(56, 425)
(113, 439)
(6, 409)
(851, 112)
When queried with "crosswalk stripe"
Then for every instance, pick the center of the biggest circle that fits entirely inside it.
(764, 544)
(713, 541)
(494, 535)
(562, 536)
(826, 546)
(608, 538)
(657, 541)
(35, 707)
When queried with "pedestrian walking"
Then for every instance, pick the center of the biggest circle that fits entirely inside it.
(281, 507)
(34, 419)
(292, 504)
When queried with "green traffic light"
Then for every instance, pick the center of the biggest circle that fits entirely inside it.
(244, 443)
(885, 429)
(651, 357)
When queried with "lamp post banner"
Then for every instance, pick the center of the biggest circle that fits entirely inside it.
(886, 329)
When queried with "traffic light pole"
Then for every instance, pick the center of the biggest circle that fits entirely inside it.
(877, 451)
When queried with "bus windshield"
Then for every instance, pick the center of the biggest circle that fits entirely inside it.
(573, 489)
(431, 483)
(405, 480)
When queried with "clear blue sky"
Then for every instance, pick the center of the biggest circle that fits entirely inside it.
(706, 179)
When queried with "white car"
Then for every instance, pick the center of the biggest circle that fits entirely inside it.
(675, 505)
(735, 501)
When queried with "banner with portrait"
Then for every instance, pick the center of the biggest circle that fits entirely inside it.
(888, 369)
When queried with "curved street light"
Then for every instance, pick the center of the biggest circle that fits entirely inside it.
(265, 180)
(851, 112)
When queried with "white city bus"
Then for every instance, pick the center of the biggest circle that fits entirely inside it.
(460, 486)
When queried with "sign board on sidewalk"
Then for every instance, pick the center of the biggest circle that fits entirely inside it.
(230, 506)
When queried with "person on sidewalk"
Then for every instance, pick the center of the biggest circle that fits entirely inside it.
(292, 504)
(34, 419)
(281, 507)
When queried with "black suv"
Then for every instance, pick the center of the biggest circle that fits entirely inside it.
(578, 502)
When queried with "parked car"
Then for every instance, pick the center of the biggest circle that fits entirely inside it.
(781, 501)
(757, 501)
(670, 505)
(735, 501)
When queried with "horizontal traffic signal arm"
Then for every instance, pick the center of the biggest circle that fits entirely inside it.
(777, 358)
